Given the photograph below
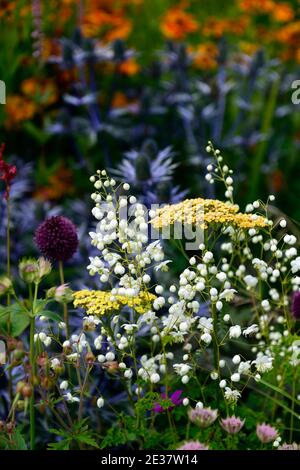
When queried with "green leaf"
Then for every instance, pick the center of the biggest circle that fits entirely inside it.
(51, 315)
(87, 439)
(3, 311)
(18, 319)
(19, 441)
(18, 325)
(61, 445)
(39, 306)
(58, 433)
(36, 133)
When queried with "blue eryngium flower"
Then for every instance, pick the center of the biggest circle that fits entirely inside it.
(150, 172)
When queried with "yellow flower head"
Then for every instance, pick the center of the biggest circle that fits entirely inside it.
(204, 212)
(103, 302)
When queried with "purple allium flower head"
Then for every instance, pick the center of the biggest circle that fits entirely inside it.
(203, 417)
(193, 445)
(57, 238)
(286, 446)
(175, 399)
(232, 424)
(296, 306)
(266, 433)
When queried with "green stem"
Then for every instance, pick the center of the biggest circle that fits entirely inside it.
(82, 392)
(8, 272)
(8, 239)
(32, 367)
(65, 307)
(32, 364)
(293, 408)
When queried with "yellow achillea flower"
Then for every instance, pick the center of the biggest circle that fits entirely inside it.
(103, 302)
(204, 212)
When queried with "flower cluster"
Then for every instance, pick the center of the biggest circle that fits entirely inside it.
(102, 303)
(194, 340)
(206, 212)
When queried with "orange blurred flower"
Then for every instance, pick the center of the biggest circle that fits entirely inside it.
(50, 47)
(289, 34)
(59, 184)
(18, 109)
(7, 8)
(43, 91)
(120, 100)
(107, 18)
(129, 67)
(205, 56)
(216, 27)
(177, 23)
(257, 6)
(120, 30)
(283, 12)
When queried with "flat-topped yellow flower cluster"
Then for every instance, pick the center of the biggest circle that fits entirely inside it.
(103, 302)
(204, 212)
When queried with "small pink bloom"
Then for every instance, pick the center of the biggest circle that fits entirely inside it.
(286, 446)
(203, 417)
(266, 433)
(232, 424)
(193, 445)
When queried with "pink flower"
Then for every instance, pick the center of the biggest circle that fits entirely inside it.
(266, 433)
(203, 417)
(232, 424)
(193, 445)
(292, 446)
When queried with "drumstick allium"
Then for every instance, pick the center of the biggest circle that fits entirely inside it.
(57, 238)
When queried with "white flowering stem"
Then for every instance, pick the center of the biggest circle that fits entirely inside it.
(286, 312)
(65, 307)
(216, 344)
(215, 340)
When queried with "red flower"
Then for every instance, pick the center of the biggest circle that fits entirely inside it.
(7, 172)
